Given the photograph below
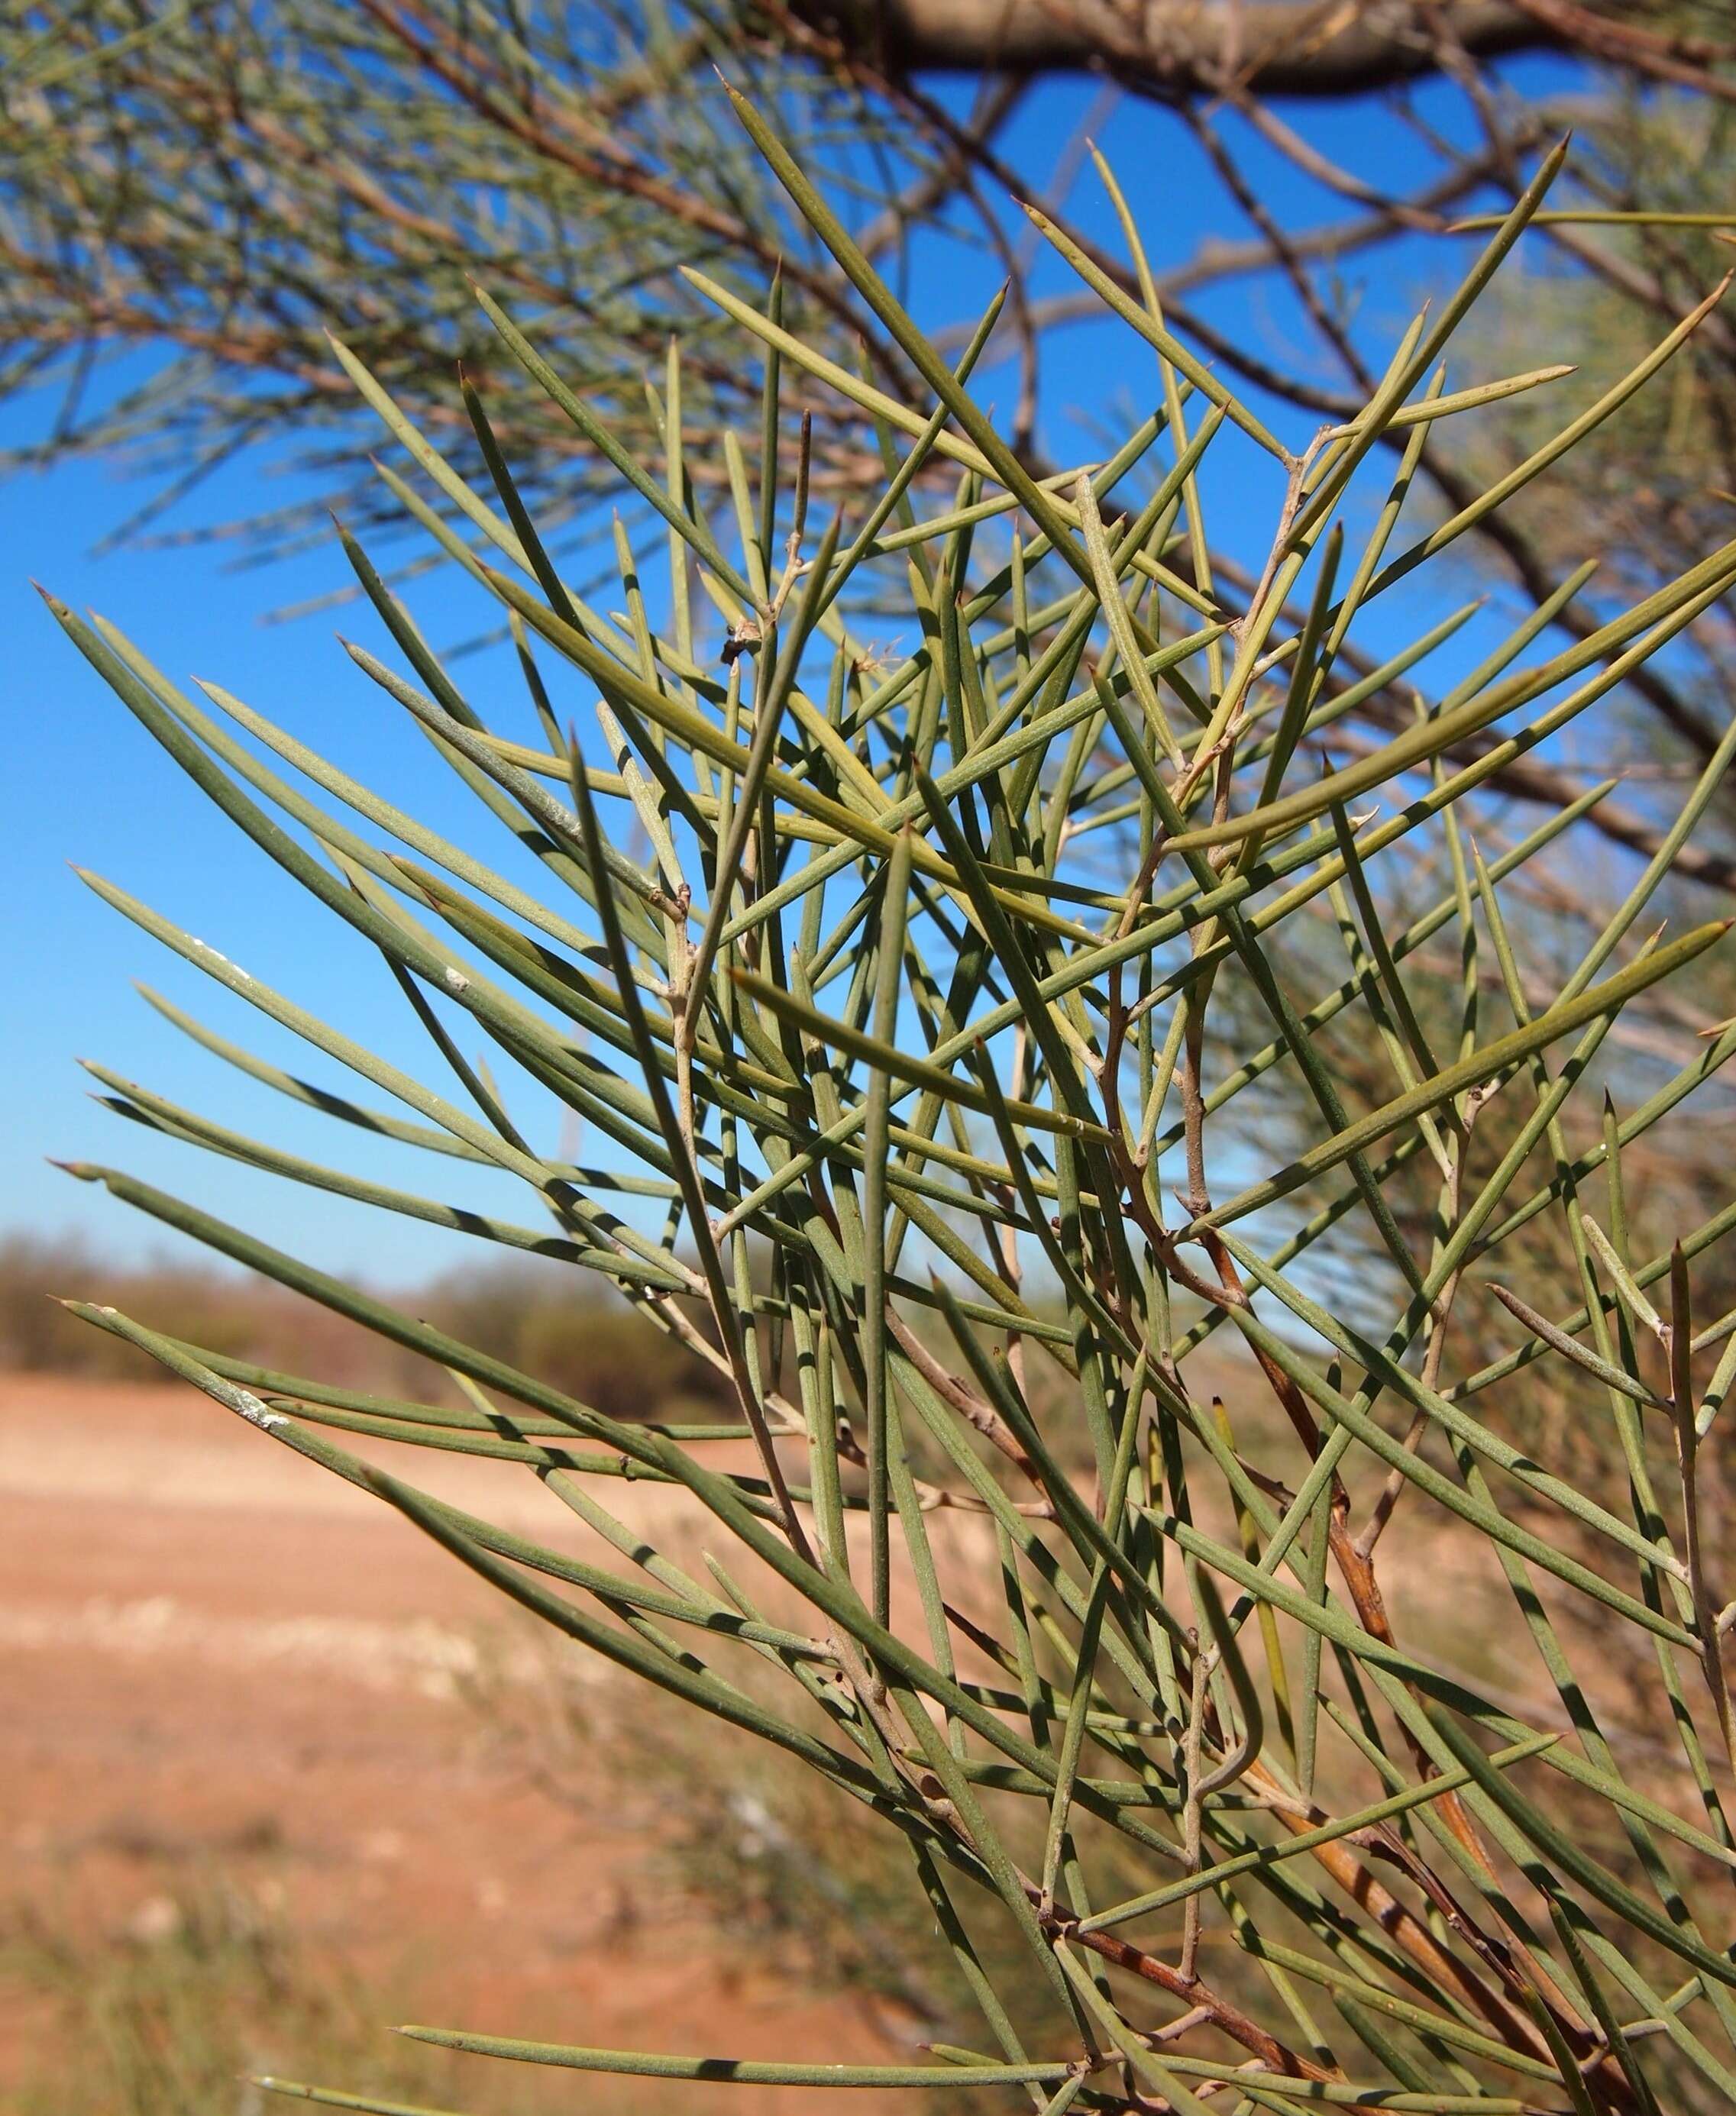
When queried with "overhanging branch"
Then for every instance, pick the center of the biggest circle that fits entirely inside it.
(1186, 46)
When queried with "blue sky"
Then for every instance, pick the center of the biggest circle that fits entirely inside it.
(89, 786)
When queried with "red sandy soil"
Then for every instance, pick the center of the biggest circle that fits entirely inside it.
(189, 1687)
(217, 1660)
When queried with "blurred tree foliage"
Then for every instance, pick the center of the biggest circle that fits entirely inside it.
(1662, 481)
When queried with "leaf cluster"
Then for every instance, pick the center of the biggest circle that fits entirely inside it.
(883, 984)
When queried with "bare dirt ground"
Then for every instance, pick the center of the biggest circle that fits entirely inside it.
(188, 1688)
(218, 1663)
